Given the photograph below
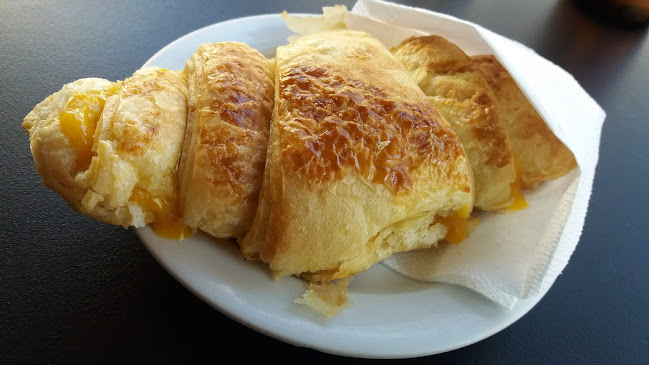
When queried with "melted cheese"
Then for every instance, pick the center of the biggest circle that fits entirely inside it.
(166, 222)
(457, 225)
(516, 196)
(78, 120)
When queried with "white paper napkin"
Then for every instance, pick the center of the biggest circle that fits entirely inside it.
(516, 255)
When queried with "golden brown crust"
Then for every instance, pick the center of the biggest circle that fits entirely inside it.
(230, 104)
(467, 103)
(542, 156)
(433, 53)
(327, 210)
(338, 122)
(467, 100)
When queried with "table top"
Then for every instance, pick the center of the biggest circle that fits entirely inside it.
(76, 290)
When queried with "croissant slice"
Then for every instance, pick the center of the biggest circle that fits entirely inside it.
(542, 156)
(111, 149)
(467, 103)
(61, 132)
(360, 164)
(230, 103)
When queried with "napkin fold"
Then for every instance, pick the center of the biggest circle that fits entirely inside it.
(520, 254)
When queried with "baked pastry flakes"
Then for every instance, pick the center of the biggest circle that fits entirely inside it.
(360, 164)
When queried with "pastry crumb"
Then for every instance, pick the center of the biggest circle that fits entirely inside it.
(328, 298)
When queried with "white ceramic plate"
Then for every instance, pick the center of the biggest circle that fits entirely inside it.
(391, 316)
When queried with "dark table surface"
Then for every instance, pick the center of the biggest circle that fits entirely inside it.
(73, 290)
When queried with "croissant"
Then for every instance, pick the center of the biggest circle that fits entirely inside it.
(540, 154)
(321, 162)
(509, 145)
(231, 94)
(360, 164)
(466, 101)
(111, 149)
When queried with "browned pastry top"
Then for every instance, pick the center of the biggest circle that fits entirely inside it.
(542, 156)
(236, 77)
(230, 100)
(339, 119)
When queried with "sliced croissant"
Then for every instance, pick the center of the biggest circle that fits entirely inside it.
(230, 103)
(541, 155)
(111, 149)
(360, 164)
(466, 101)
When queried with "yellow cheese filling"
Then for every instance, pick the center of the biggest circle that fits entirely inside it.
(78, 120)
(457, 225)
(516, 196)
(166, 222)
